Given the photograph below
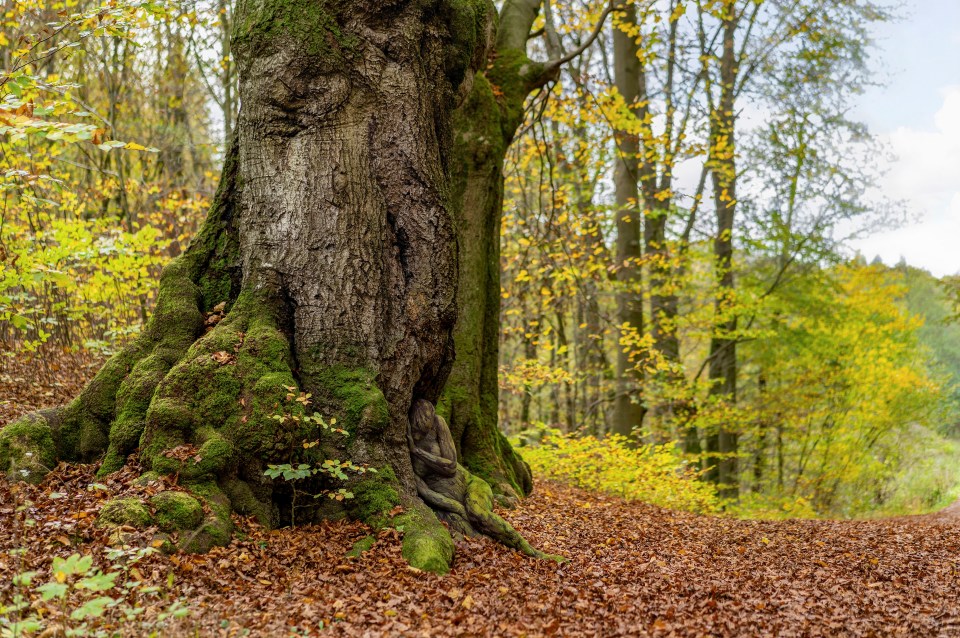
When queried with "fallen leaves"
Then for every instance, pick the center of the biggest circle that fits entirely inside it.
(670, 574)
(633, 570)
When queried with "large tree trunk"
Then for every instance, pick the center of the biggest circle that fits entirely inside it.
(330, 254)
(484, 127)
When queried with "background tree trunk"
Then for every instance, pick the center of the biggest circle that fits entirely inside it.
(328, 263)
(484, 128)
(723, 345)
(628, 408)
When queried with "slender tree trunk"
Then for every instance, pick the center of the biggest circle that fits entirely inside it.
(628, 407)
(723, 344)
(225, 15)
(328, 264)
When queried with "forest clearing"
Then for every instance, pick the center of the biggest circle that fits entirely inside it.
(475, 317)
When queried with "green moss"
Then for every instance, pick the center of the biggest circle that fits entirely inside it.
(361, 406)
(171, 415)
(466, 21)
(27, 450)
(361, 546)
(216, 527)
(244, 501)
(176, 511)
(125, 511)
(216, 454)
(427, 544)
(310, 25)
(374, 497)
(152, 452)
(146, 478)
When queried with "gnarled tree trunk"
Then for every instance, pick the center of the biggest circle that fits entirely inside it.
(328, 264)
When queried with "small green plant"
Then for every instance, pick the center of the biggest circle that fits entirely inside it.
(296, 413)
(77, 596)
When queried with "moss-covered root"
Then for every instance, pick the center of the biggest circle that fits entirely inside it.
(427, 544)
(479, 506)
(490, 456)
(176, 512)
(216, 526)
(27, 450)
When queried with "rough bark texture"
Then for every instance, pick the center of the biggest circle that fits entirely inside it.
(484, 127)
(328, 263)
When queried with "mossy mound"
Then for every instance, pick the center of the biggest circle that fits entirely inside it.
(126, 511)
(427, 545)
(27, 450)
(361, 546)
(176, 511)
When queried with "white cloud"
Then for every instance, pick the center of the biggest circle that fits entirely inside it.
(925, 174)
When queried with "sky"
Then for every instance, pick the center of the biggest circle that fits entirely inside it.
(917, 114)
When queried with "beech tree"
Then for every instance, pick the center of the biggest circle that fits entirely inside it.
(484, 127)
(325, 275)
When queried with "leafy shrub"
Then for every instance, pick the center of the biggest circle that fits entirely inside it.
(653, 474)
(293, 472)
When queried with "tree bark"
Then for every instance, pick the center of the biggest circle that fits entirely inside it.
(484, 128)
(328, 264)
(722, 445)
(628, 407)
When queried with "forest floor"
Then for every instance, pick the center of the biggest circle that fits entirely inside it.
(633, 569)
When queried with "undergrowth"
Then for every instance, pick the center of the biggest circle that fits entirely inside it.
(655, 474)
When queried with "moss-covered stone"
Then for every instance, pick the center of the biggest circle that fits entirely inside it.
(216, 527)
(125, 511)
(27, 450)
(147, 478)
(361, 546)
(176, 511)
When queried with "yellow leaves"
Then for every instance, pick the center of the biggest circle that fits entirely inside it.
(528, 374)
(678, 12)
(650, 473)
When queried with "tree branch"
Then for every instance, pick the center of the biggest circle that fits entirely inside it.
(552, 66)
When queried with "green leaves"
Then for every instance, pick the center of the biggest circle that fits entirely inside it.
(75, 564)
(93, 608)
(98, 581)
(52, 590)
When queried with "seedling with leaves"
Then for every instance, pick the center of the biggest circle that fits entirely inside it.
(77, 595)
(296, 413)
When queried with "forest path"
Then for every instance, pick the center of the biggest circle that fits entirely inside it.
(633, 570)
(949, 514)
